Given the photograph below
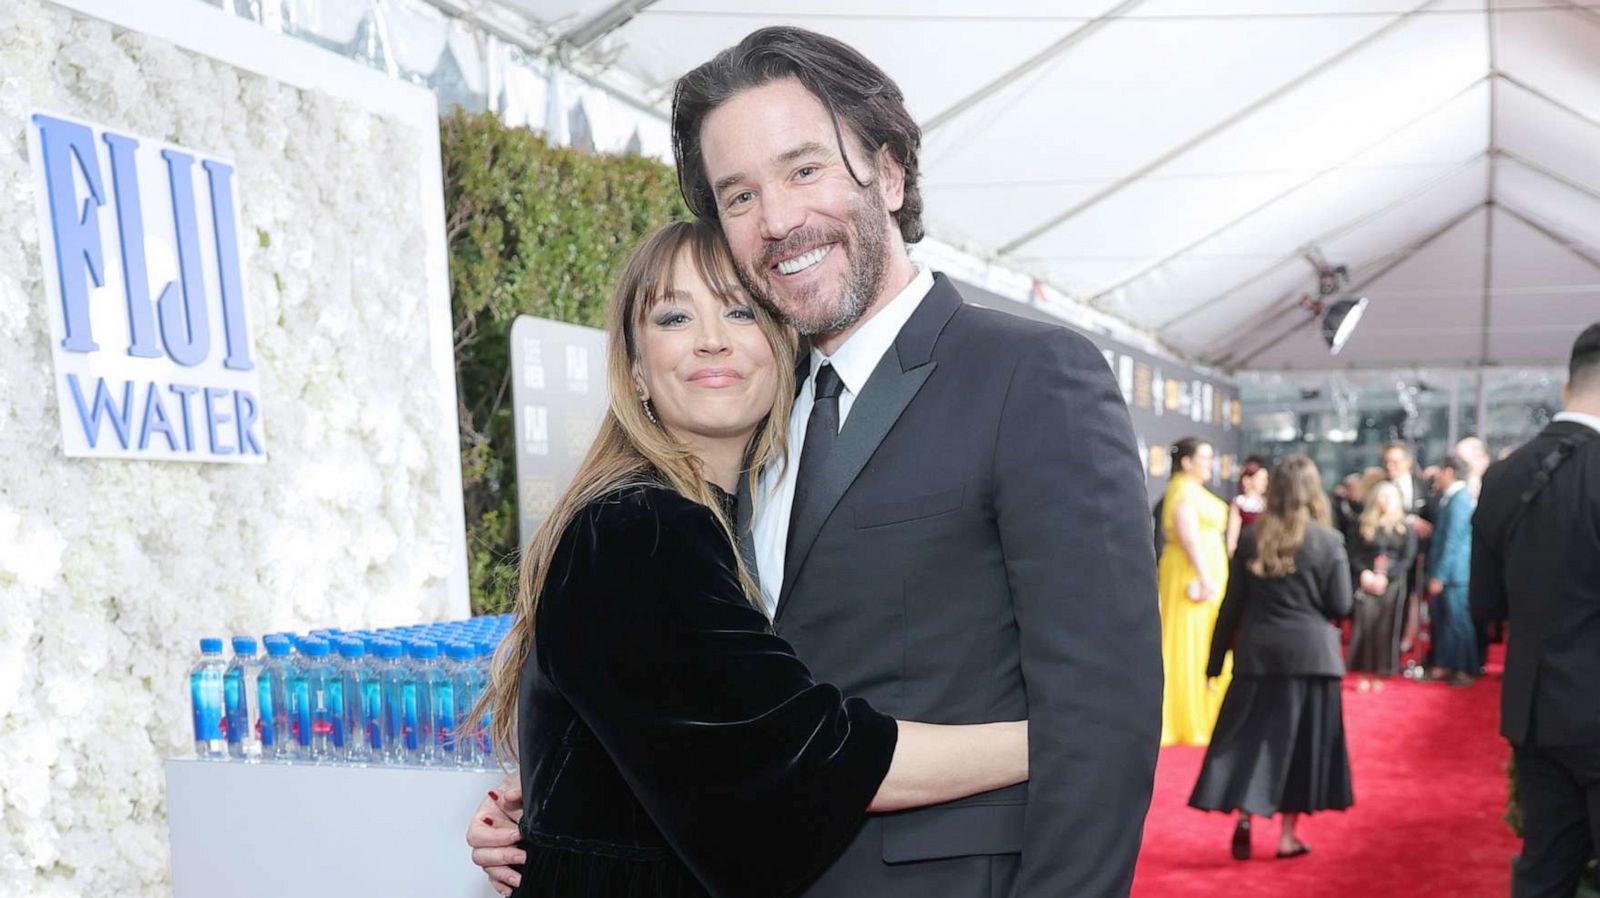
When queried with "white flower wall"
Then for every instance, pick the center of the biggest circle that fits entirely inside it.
(110, 570)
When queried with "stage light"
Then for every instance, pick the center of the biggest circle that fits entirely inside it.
(1340, 319)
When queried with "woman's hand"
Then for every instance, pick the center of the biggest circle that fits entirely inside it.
(1205, 588)
(1373, 583)
(493, 836)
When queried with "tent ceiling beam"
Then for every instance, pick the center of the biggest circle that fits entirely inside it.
(603, 23)
(1028, 66)
(1557, 177)
(1240, 115)
(1488, 224)
(1580, 9)
(1550, 233)
(1552, 101)
(1231, 361)
(1099, 298)
(1324, 237)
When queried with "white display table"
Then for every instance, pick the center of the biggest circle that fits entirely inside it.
(305, 831)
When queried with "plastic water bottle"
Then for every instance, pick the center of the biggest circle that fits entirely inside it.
(451, 704)
(392, 678)
(361, 704)
(483, 664)
(272, 694)
(467, 683)
(308, 701)
(206, 701)
(240, 687)
(422, 743)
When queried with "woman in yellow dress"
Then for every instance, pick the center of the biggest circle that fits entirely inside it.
(1194, 575)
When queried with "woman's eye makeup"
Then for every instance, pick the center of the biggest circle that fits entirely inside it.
(742, 312)
(670, 317)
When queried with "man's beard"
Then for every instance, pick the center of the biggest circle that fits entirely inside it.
(864, 241)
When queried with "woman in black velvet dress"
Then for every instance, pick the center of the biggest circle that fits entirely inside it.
(1278, 746)
(669, 743)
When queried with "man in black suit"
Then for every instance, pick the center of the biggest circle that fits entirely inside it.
(1414, 492)
(1536, 564)
(962, 537)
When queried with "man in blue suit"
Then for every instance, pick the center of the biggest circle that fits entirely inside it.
(1455, 647)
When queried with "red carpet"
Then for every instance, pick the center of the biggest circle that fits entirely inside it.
(1428, 768)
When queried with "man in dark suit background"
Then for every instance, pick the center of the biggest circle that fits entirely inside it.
(962, 536)
(1536, 564)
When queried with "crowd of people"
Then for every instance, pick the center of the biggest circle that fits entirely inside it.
(1268, 601)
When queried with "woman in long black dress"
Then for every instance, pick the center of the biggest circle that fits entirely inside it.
(670, 744)
(1278, 747)
(1382, 547)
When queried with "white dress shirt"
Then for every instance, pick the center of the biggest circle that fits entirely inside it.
(854, 361)
(1589, 421)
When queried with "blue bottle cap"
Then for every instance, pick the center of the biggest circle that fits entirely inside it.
(278, 648)
(459, 651)
(316, 648)
(385, 649)
(244, 645)
(484, 647)
(352, 648)
(424, 650)
(211, 644)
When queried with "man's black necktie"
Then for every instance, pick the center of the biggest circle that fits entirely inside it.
(822, 431)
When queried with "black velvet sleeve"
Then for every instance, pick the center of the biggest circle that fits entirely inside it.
(757, 775)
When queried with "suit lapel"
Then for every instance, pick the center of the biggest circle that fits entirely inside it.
(893, 384)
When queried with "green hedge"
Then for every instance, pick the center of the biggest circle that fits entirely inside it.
(532, 229)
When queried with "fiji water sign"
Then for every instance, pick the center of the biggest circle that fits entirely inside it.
(152, 348)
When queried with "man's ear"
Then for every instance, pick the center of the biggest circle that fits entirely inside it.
(891, 179)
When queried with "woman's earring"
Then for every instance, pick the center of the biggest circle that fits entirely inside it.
(650, 412)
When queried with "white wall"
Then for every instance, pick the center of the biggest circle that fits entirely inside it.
(110, 570)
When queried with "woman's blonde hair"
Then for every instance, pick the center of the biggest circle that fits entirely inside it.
(1294, 499)
(631, 448)
(1374, 521)
(1370, 478)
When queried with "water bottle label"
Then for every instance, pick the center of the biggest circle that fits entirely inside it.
(372, 706)
(234, 721)
(444, 712)
(335, 713)
(264, 728)
(301, 705)
(207, 710)
(409, 730)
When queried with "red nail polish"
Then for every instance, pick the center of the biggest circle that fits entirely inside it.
(494, 795)
(488, 821)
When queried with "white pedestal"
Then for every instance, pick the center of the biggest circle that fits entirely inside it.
(304, 831)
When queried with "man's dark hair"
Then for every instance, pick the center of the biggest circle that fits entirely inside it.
(1583, 373)
(848, 85)
(1456, 463)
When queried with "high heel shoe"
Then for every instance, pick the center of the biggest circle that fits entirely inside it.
(1241, 840)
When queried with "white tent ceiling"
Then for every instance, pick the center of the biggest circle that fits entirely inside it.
(1170, 161)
